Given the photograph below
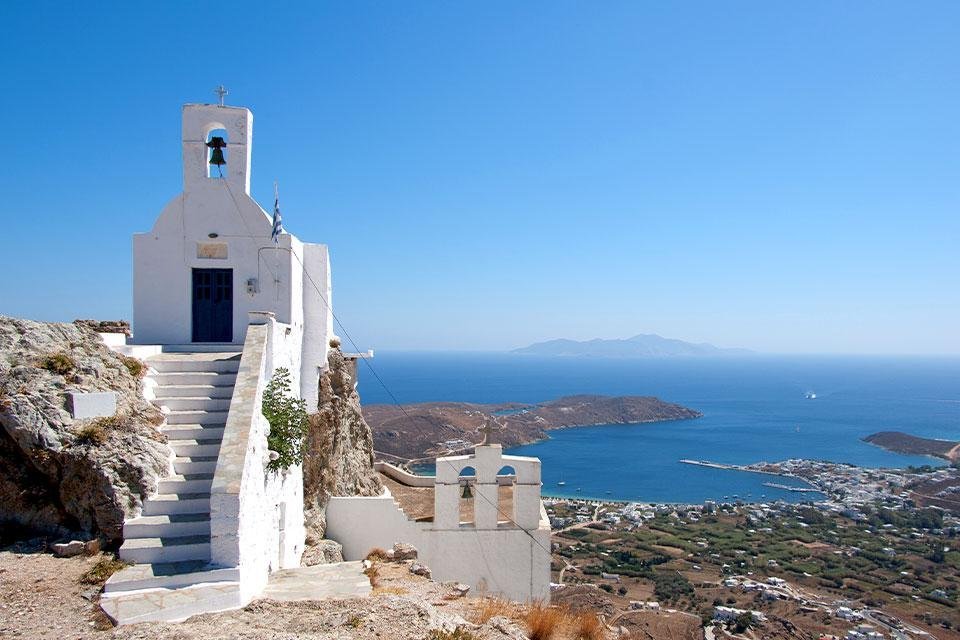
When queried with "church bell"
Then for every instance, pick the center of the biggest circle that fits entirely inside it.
(217, 145)
(467, 494)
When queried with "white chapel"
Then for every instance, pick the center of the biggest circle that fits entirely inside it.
(223, 297)
(210, 259)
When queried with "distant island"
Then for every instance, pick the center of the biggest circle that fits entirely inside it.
(426, 430)
(905, 443)
(639, 346)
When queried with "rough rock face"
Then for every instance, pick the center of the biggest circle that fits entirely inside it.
(63, 475)
(339, 453)
(106, 326)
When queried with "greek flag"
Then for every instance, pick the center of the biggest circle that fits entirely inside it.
(277, 220)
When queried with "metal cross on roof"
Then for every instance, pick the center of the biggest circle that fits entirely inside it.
(221, 91)
(487, 431)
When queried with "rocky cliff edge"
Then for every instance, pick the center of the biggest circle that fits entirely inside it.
(339, 454)
(65, 476)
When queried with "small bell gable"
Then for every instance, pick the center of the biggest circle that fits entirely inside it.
(234, 125)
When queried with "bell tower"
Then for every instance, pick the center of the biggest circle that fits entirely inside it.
(199, 120)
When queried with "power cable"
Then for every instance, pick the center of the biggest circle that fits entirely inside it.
(366, 361)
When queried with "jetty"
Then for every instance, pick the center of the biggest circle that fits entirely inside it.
(753, 469)
(732, 467)
(714, 465)
(787, 487)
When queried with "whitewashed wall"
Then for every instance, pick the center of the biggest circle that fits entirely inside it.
(505, 560)
(256, 516)
(317, 321)
(491, 556)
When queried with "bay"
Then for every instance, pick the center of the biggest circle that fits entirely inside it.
(755, 408)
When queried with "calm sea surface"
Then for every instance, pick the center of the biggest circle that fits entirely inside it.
(754, 409)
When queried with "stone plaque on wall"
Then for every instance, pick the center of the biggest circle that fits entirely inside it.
(212, 250)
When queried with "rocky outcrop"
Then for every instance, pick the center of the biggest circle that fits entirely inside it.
(106, 326)
(64, 475)
(339, 455)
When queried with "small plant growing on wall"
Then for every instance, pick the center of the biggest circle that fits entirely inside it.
(287, 416)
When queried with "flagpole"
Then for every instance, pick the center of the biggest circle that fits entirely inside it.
(276, 237)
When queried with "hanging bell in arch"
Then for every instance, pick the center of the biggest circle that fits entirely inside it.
(217, 145)
(467, 494)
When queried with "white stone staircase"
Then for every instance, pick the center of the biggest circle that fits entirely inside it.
(169, 543)
(171, 577)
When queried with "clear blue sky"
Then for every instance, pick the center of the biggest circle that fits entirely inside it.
(772, 175)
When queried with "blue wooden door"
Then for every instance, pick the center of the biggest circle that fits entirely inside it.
(213, 305)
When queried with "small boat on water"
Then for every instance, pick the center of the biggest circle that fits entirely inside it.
(561, 483)
(810, 395)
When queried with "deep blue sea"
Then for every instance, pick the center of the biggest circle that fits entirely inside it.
(754, 409)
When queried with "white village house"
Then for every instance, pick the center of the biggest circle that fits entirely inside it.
(220, 302)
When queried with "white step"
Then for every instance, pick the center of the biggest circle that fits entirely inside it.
(176, 549)
(183, 378)
(195, 483)
(203, 347)
(194, 464)
(197, 417)
(188, 524)
(192, 432)
(193, 404)
(168, 575)
(214, 390)
(171, 605)
(169, 503)
(181, 365)
(190, 448)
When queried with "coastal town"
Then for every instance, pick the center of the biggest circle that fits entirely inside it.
(862, 559)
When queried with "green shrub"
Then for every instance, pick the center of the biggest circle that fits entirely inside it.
(102, 570)
(93, 433)
(460, 633)
(743, 622)
(669, 585)
(287, 416)
(355, 621)
(135, 366)
(59, 363)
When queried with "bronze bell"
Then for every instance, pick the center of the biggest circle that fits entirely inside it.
(217, 145)
(467, 494)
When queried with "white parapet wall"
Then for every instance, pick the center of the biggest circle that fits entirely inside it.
(256, 515)
(510, 558)
(401, 476)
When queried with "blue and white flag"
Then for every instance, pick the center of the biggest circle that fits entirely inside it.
(277, 220)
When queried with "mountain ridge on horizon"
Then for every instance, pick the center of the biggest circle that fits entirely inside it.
(643, 345)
